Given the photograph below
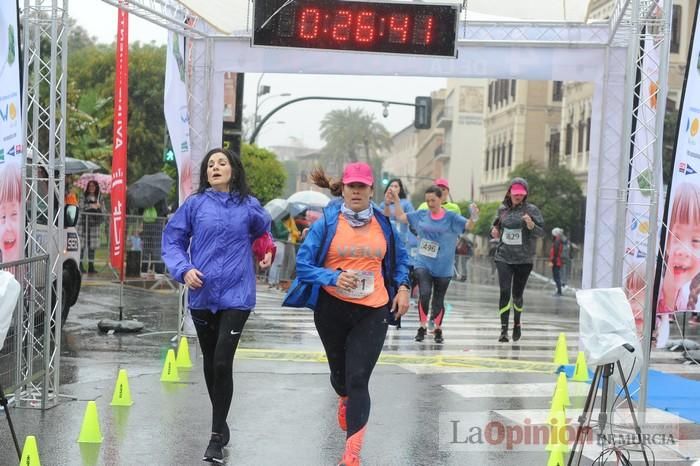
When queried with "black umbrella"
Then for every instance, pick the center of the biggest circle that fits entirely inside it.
(149, 190)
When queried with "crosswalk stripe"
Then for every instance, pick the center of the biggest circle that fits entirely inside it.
(465, 334)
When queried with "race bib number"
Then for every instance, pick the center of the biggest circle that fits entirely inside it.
(513, 236)
(365, 285)
(428, 248)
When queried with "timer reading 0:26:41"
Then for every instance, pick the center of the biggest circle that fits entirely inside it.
(420, 29)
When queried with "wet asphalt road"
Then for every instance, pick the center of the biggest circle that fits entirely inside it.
(283, 411)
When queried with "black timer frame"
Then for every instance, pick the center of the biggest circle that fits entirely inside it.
(358, 26)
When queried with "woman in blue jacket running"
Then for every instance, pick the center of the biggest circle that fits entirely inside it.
(207, 245)
(356, 272)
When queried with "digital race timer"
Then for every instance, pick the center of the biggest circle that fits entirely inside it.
(412, 28)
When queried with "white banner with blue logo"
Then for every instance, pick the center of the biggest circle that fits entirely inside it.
(680, 281)
(10, 136)
(176, 112)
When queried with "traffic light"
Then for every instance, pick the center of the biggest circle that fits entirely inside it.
(423, 115)
(385, 178)
(169, 156)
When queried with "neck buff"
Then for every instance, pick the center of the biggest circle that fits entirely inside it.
(357, 219)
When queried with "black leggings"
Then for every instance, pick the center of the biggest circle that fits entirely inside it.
(353, 337)
(218, 335)
(512, 279)
(435, 286)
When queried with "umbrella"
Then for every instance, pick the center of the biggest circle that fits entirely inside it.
(103, 180)
(277, 208)
(148, 190)
(309, 198)
(74, 166)
(302, 200)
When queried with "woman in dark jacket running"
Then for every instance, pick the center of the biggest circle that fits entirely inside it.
(517, 225)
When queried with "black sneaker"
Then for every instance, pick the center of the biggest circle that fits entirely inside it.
(504, 336)
(420, 335)
(516, 333)
(438, 335)
(215, 450)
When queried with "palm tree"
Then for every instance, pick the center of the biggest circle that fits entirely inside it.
(352, 133)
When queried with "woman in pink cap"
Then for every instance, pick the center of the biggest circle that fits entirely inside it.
(353, 272)
(516, 226)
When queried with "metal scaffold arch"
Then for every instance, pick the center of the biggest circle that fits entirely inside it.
(606, 53)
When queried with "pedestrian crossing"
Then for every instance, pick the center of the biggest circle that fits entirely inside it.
(471, 346)
(468, 331)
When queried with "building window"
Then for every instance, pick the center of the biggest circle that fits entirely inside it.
(676, 29)
(490, 95)
(486, 165)
(493, 158)
(569, 138)
(557, 91)
(581, 132)
(503, 155)
(512, 89)
(554, 148)
(588, 134)
(510, 154)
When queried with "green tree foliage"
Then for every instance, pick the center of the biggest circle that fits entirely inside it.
(557, 194)
(265, 174)
(487, 213)
(353, 135)
(670, 129)
(91, 106)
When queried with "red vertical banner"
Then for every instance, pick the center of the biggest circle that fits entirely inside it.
(121, 107)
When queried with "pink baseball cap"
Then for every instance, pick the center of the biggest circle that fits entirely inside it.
(358, 172)
(517, 188)
(442, 182)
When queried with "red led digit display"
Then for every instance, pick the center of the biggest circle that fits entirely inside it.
(412, 28)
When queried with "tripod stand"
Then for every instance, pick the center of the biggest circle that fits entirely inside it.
(584, 429)
(3, 403)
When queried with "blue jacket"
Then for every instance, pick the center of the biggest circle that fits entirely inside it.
(312, 275)
(219, 232)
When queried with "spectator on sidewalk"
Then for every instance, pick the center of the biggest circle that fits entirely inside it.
(464, 251)
(93, 207)
(280, 234)
(555, 258)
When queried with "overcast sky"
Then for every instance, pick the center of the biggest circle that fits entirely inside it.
(300, 120)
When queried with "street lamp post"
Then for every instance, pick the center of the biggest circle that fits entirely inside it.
(258, 92)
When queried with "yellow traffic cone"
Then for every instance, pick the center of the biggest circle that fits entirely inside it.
(558, 435)
(561, 355)
(556, 458)
(30, 453)
(170, 373)
(90, 431)
(183, 354)
(581, 369)
(563, 389)
(556, 410)
(122, 394)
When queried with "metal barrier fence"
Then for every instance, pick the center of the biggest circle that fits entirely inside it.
(25, 355)
(143, 252)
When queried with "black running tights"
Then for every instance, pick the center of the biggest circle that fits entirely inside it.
(512, 279)
(218, 335)
(353, 337)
